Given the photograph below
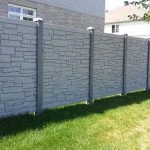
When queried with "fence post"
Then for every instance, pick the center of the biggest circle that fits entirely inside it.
(148, 67)
(39, 97)
(91, 55)
(125, 64)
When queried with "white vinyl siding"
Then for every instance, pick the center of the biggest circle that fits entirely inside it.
(135, 28)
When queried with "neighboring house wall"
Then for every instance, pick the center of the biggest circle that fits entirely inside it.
(139, 29)
(93, 7)
(77, 14)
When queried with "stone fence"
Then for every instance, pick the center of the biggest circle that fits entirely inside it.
(45, 66)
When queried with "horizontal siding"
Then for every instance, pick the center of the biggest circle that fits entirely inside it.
(93, 7)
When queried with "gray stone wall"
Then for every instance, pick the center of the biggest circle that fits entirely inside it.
(65, 66)
(57, 15)
(108, 65)
(66, 63)
(17, 67)
(136, 63)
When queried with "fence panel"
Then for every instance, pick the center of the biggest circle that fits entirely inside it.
(137, 50)
(108, 65)
(17, 67)
(66, 66)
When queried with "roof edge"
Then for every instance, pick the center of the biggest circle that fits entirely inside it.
(122, 22)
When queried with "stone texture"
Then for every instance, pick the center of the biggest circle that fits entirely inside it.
(65, 75)
(136, 64)
(108, 65)
(65, 66)
(14, 80)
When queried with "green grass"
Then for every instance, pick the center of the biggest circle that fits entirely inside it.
(113, 123)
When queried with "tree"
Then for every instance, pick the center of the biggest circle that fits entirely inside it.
(144, 4)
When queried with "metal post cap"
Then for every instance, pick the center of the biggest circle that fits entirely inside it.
(37, 19)
(90, 28)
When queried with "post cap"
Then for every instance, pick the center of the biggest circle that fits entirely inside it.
(125, 35)
(90, 28)
(37, 19)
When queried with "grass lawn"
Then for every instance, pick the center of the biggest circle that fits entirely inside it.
(113, 123)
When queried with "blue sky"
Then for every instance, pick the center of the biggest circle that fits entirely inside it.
(111, 4)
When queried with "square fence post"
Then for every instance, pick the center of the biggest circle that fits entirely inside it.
(125, 64)
(39, 98)
(91, 61)
(148, 67)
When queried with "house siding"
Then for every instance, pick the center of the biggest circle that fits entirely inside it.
(93, 7)
(131, 28)
(68, 14)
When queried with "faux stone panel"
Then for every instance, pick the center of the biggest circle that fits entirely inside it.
(136, 64)
(66, 67)
(17, 73)
(108, 65)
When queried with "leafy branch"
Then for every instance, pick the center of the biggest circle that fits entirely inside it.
(141, 4)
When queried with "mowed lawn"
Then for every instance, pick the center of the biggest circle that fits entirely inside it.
(112, 123)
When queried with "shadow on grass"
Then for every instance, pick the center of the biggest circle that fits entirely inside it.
(13, 126)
